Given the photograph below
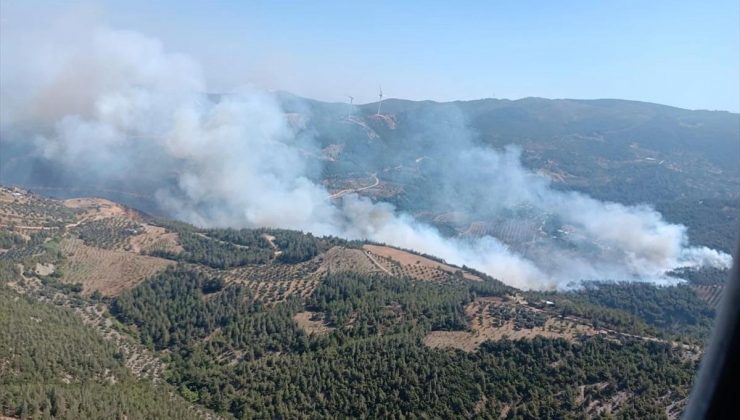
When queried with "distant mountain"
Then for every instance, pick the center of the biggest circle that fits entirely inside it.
(686, 163)
(587, 139)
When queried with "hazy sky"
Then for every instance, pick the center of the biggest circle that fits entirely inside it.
(681, 53)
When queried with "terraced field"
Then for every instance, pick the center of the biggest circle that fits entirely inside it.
(273, 283)
(154, 238)
(398, 262)
(109, 233)
(104, 270)
(311, 312)
(710, 293)
(340, 259)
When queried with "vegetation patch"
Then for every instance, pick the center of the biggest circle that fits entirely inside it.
(107, 271)
(403, 263)
(312, 323)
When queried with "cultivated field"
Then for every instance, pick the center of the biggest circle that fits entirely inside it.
(154, 238)
(403, 263)
(109, 233)
(100, 208)
(492, 318)
(340, 259)
(107, 271)
(272, 283)
(710, 293)
(26, 213)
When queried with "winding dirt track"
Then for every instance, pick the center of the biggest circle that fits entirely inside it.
(354, 190)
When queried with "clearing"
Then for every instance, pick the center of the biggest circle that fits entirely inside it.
(108, 271)
(312, 323)
(405, 263)
(493, 318)
(155, 238)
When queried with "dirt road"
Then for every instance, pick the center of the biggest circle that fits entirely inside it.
(354, 190)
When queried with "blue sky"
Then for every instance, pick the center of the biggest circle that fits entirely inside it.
(681, 53)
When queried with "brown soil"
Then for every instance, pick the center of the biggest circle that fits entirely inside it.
(312, 323)
(44, 269)
(339, 259)
(107, 271)
(415, 266)
(155, 238)
(100, 208)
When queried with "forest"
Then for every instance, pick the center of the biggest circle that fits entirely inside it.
(237, 356)
(225, 347)
(53, 366)
(226, 248)
(638, 308)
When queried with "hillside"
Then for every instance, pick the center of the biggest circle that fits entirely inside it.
(266, 323)
(682, 162)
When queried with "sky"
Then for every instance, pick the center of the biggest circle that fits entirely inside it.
(679, 53)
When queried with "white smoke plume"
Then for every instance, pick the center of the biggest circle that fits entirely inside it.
(116, 104)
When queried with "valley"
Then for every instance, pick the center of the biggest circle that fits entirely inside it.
(227, 322)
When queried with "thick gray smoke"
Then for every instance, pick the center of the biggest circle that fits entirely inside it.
(116, 105)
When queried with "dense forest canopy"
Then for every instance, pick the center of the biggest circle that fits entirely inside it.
(258, 323)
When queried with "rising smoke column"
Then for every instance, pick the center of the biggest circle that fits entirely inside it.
(114, 104)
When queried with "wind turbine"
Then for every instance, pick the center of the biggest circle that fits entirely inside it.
(351, 100)
(380, 95)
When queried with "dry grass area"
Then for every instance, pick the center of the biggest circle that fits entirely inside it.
(484, 327)
(155, 238)
(92, 209)
(384, 190)
(312, 323)
(404, 263)
(148, 237)
(107, 271)
(100, 208)
(44, 269)
(339, 259)
(710, 293)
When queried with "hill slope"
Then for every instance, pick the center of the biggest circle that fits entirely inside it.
(683, 162)
(277, 323)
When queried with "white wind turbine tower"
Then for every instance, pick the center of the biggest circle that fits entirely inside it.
(351, 100)
(380, 102)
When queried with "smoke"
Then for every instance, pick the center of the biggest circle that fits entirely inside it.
(113, 105)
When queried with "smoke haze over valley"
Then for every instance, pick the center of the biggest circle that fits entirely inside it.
(119, 109)
(232, 210)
